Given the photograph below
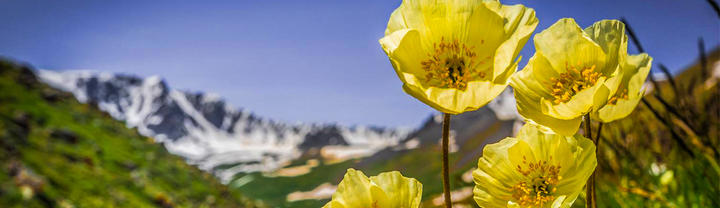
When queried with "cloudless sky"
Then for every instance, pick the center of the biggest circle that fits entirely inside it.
(310, 61)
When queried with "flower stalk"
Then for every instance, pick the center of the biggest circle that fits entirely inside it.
(590, 199)
(445, 158)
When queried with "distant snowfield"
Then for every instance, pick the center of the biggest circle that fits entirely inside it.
(218, 138)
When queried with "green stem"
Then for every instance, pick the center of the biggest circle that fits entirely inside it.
(445, 164)
(590, 199)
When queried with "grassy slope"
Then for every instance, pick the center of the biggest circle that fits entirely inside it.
(412, 164)
(422, 163)
(69, 153)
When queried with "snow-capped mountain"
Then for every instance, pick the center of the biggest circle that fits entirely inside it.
(211, 133)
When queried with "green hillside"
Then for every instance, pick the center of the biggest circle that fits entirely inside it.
(56, 152)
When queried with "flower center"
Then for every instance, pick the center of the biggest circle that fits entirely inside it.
(622, 95)
(451, 65)
(539, 186)
(571, 82)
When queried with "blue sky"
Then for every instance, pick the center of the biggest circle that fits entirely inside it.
(313, 61)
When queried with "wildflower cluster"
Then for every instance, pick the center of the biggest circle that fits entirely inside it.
(456, 56)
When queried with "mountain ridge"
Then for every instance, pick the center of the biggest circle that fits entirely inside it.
(57, 152)
(208, 132)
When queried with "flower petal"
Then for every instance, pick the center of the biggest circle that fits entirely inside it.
(481, 29)
(639, 65)
(454, 101)
(485, 199)
(493, 187)
(388, 189)
(333, 204)
(520, 23)
(529, 91)
(610, 36)
(575, 177)
(621, 109)
(534, 79)
(353, 190)
(477, 24)
(401, 191)
(565, 45)
(417, 14)
(562, 201)
(405, 53)
(545, 146)
(380, 198)
(403, 49)
(635, 71)
(580, 103)
(533, 113)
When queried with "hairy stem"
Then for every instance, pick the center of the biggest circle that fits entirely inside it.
(590, 199)
(445, 164)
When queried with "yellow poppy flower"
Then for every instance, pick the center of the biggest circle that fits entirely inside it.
(388, 189)
(574, 72)
(456, 56)
(534, 170)
(633, 74)
(624, 90)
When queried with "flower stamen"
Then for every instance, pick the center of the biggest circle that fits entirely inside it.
(452, 65)
(622, 95)
(567, 84)
(540, 184)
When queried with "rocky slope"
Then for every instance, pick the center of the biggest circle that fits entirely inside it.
(56, 152)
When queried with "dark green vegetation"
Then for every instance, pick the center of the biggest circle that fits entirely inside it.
(56, 152)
